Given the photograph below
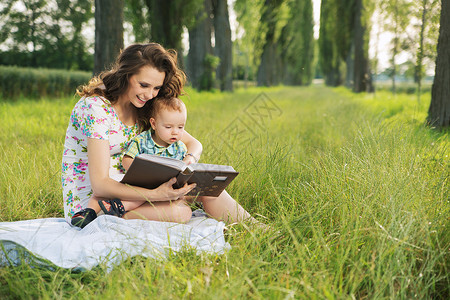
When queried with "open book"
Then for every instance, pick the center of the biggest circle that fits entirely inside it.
(150, 171)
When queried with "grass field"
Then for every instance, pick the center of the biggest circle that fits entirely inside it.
(356, 189)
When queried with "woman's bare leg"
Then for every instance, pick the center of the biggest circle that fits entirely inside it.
(128, 205)
(225, 208)
(168, 211)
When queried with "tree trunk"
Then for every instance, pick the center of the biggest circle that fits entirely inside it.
(439, 111)
(267, 71)
(395, 47)
(420, 53)
(350, 64)
(333, 77)
(166, 19)
(361, 74)
(223, 45)
(329, 56)
(33, 40)
(108, 32)
(295, 44)
(199, 73)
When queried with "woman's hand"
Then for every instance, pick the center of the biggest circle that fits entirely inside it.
(105, 187)
(166, 192)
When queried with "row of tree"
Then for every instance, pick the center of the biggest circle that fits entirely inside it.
(344, 44)
(345, 36)
(278, 48)
(281, 44)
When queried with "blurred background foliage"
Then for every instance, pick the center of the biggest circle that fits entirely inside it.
(222, 44)
(271, 43)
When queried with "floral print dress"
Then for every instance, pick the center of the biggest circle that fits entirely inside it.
(92, 117)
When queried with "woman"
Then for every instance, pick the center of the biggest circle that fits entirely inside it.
(115, 107)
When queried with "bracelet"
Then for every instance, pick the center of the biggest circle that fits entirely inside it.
(195, 158)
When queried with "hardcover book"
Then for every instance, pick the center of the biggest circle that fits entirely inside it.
(150, 171)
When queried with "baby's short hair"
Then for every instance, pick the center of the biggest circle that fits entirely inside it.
(174, 104)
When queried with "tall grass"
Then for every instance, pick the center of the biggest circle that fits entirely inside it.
(355, 188)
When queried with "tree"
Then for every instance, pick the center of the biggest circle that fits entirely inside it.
(296, 43)
(426, 11)
(108, 32)
(74, 51)
(136, 12)
(397, 13)
(167, 19)
(329, 56)
(199, 69)
(282, 44)
(361, 74)
(344, 37)
(247, 47)
(268, 73)
(38, 33)
(223, 45)
(439, 111)
(27, 27)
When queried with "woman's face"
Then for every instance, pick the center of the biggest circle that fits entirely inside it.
(144, 86)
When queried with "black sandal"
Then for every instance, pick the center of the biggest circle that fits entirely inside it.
(116, 207)
(83, 217)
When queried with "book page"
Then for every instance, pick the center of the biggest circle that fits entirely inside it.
(200, 167)
(171, 162)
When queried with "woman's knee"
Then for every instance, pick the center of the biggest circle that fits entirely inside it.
(182, 213)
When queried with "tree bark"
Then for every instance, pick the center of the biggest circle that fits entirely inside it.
(396, 44)
(329, 55)
(361, 75)
(268, 69)
(200, 74)
(166, 27)
(223, 45)
(108, 32)
(439, 111)
(420, 52)
(350, 65)
(167, 20)
(295, 44)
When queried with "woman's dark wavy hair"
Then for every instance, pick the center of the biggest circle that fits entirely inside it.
(113, 83)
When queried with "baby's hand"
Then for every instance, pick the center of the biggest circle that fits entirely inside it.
(189, 159)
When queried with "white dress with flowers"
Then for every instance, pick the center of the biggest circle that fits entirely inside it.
(92, 117)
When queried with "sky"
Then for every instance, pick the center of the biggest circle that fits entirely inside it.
(316, 13)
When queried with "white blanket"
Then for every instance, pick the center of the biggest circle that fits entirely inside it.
(107, 240)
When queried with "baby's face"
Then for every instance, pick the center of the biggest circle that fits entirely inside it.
(168, 126)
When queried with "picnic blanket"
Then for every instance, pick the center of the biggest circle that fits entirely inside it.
(53, 242)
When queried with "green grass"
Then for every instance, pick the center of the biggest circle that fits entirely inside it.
(357, 187)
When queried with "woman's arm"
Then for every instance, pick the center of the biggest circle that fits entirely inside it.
(105, 187)
(194, 147)
(126, 162)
